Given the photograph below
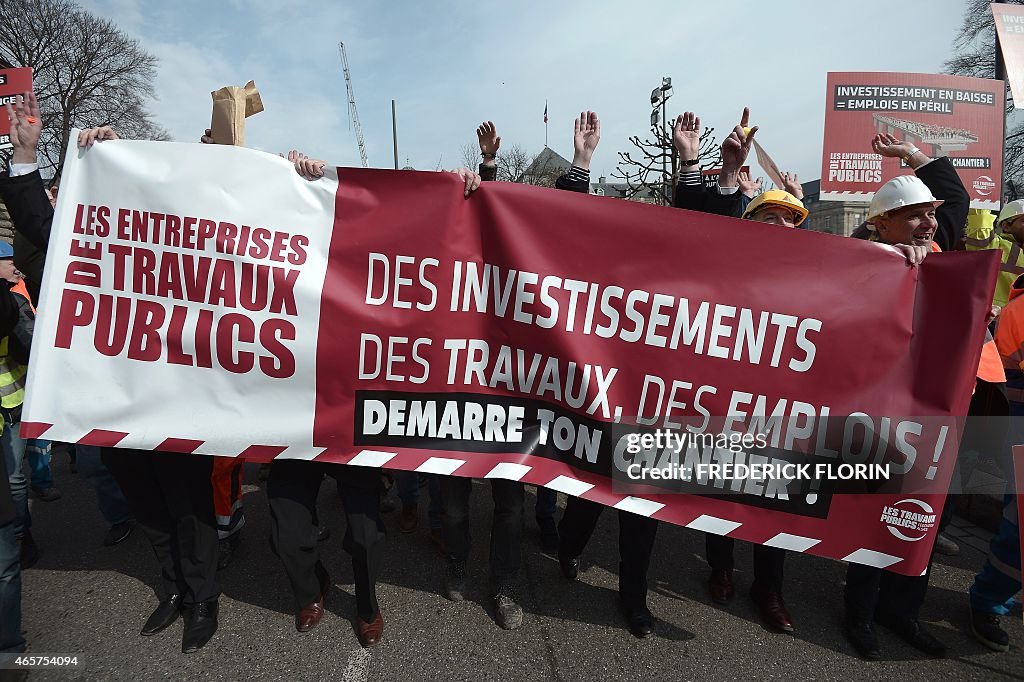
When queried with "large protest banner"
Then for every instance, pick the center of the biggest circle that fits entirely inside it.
(206, 299)
(1009, 21)
(960, 118)
(13, 82)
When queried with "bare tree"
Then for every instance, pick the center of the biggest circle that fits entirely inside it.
(86, 72)
(513, 163)
(975, 56)
(644, 174)
(470, 155)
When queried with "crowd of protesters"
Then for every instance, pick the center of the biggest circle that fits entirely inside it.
(189, 507)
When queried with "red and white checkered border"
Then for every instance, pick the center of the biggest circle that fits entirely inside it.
(540, 472)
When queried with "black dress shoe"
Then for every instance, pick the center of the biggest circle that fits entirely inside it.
(640, 621)
(118, 533)
(166, 613)
(29, 551)
(570, 568)
(913, 633)
(863, 637)
(226, 550)
(200, 624)
(548, 536)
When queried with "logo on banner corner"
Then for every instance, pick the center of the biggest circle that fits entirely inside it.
(909, 519)
(984, 185)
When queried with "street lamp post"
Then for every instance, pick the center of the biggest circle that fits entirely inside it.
(659, 100)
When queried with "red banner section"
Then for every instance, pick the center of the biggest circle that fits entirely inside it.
(961, 118)
(545, 336)
(13, 82)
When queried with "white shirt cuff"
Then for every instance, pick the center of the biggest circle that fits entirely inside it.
(726, 190)
(23, 168)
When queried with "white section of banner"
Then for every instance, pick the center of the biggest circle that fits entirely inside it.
(156, 398)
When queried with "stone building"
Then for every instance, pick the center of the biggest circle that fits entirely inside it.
(835, 217)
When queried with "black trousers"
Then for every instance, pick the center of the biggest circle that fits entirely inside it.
(870, 590)
(506, 524)
(768, 561)
(292, 490)
(171, 497)
(636, 542)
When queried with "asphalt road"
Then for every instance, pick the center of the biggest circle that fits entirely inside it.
(86, 599)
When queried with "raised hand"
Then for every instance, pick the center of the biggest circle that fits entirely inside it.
(90, 135)
(887, 145)
(736, 147)
(749, 187)
(686, 136)
(586, 135)
(791, 184)
(489, 140)
(26, 127)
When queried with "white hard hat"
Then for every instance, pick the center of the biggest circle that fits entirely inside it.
(1010, 211)
(901, 191)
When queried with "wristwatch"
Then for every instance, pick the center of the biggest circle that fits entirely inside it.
(691, 162)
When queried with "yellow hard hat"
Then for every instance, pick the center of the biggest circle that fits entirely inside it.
(777, 197)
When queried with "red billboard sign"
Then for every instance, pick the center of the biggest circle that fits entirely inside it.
(13, 82)
(960, 118)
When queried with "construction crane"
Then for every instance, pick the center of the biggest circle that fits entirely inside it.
(353, 114)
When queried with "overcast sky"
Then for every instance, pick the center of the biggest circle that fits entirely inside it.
(451, 64)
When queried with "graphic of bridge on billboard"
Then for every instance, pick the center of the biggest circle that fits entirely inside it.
(933, 140)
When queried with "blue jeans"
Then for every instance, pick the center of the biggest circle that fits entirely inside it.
(547, 502)
(38, 455)
(109, 497)
(999, 579)
(11, 640)
(409, 492)
(13, 447)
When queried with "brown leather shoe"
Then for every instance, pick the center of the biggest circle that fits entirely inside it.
(772, 609)
(370, 633)
(408, 519)
(309, 616)
(721, 587)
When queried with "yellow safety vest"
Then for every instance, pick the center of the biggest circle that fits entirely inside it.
(12, 378)
(982, 235)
